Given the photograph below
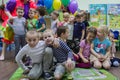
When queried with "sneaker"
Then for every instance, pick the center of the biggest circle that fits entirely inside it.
(47, 76)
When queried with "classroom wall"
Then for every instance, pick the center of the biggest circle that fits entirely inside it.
(84, 4)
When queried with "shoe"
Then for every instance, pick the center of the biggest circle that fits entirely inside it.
(47, 76)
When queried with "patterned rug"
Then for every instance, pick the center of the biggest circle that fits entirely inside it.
(77, 74)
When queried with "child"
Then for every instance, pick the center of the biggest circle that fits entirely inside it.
(31, 22)
(79, 28)
(70, 41)
(85, 21)
(114, 61)
(66, 19)
(41, 60)
(41, 24)
(54, 24)
(83, 56)
(100, 49)
(62, 54)
(18, 25)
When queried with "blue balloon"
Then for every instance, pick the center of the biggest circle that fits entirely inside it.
(48, 3)
(40, 3)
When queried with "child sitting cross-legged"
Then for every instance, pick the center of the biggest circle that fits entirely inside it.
(82, 58)
(100, 48)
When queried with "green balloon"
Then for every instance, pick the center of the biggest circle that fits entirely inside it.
(49, 11)
(65, 2)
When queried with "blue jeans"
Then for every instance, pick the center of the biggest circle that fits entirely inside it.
(19, 41)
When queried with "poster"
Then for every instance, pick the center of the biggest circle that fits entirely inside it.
(98, 14)
(114, 16)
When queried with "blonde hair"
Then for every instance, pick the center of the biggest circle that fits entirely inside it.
(66, 14)
(105, 30)
(48, 31)
(32, 32)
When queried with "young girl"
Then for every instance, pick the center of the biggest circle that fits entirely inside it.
(65, 22)
(55, 21)
(82, 58)
(31, 22)
(41, 25)
(100, 49)
(62, 54)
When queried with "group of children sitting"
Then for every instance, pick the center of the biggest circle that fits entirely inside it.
(45, 47)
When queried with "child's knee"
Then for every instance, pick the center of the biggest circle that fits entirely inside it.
(33, 76)
(106, 66)
(58, 76)
(97, 65)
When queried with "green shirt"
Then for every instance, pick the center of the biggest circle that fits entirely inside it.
(33, 25)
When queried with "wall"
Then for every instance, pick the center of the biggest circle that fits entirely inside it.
(84, 4)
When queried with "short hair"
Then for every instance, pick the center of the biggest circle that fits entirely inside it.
(55, 13)
(41, 10)
(60, 30)
(66, 14)
(48, 30)
(32, 32)
(20, 8)
(79, 15)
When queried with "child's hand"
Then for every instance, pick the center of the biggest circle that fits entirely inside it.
(56, 43)
(85, 61)
(26, 71)
(69, 64)
(11, 20)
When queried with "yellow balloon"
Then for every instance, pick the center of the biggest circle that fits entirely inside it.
(56, 4)
(75, 13)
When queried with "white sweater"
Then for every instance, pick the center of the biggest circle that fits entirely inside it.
(36, 54)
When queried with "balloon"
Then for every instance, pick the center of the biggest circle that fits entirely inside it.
(40, 3)
(49, 11)
(56, 4)
(76, 12)
(65, 2)
(73, 6)
(11, 5)
(48, 3)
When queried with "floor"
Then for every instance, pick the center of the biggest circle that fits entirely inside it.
(8, 67)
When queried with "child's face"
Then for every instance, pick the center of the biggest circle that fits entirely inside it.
(79, 19)
(100, 33)
(66, 19)
(90, 36)
(71, 19)
(48, 38)
(31, 14)
(111, 36)
(20, 13)
(53, 16)
(32, 40)
(66, 34)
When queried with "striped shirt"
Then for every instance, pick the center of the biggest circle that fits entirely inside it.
(62, 53)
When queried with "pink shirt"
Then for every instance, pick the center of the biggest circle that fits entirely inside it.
(86, 49)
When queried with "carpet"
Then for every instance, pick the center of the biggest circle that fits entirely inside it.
(77, 74)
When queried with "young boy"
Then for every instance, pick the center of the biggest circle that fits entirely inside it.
(62, 53)
(41, 25)
(18, 25)
(41, 60)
